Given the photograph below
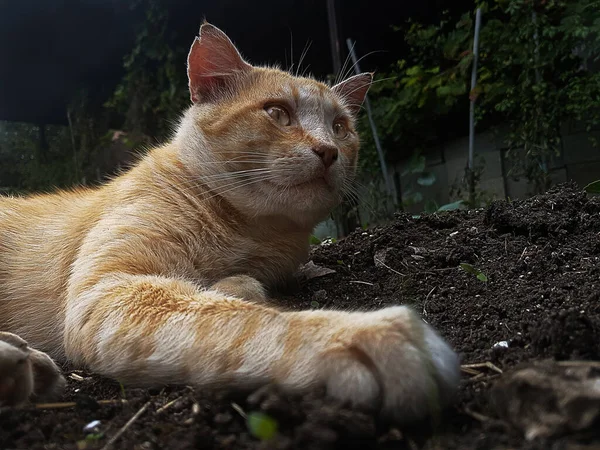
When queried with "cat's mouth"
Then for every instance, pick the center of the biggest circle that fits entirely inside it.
(319, 181)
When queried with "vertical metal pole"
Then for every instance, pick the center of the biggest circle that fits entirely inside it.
(334, 37)
(389, 182)
(346, 221)
(472, 105)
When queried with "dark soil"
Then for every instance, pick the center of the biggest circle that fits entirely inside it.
(542, 260)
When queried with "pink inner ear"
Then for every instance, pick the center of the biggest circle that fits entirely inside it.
(354, 89)
(212, 60)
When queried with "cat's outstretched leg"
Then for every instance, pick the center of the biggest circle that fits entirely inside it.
(26, 372)
(151, 330)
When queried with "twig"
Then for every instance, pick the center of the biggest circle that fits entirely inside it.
(361, 282)
(239, 410)
(388, 267)
(481, 378)
(487, 364)
(73, 404)
(427, 298)
(477, 416)
(130, 422)
(167, 406)
(522, 254)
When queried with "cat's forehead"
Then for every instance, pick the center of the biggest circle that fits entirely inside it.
(303, 92)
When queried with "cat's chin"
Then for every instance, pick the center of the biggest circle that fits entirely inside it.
(316, 183)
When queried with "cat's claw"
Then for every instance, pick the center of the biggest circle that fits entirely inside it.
(26, 373)
(396, 363)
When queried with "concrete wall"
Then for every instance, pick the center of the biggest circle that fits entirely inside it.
(580, 162)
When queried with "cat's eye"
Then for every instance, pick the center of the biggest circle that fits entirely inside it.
(339, 130)
(279, 115)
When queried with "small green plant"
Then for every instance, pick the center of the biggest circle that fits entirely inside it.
(123, 394)
(593, 187)
(474, 271)
(261, 425)
(90, 441)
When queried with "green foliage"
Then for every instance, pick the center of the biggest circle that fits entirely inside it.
(593, 187)
(153, 91)
(30, 164)
(533, 74)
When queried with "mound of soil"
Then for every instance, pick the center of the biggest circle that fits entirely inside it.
(541, 301)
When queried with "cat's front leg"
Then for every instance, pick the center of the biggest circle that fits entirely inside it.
(151, 330)
(26, 372)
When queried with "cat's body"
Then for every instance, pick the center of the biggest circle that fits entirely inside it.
(157, 276)
(41, 238)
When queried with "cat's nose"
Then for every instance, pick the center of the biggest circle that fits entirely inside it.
(327, 153)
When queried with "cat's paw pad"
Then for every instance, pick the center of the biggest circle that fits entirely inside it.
(25, 372)
(395, 362)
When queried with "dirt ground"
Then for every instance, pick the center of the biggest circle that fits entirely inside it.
(541, 301)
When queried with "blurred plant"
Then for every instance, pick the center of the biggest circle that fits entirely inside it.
(593, 187)
(153, 91)
(534, 74)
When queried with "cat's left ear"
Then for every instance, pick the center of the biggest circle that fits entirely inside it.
(213, 62)
(353, 90)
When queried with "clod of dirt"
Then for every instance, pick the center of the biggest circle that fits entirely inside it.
(549, 398)
(542, 215)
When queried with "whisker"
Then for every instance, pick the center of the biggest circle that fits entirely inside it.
(303, 54)
(237, 186)
(351, 68)
(348, 56)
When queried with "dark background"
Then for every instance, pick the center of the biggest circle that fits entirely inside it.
(49, 48)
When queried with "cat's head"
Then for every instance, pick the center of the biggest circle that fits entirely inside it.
(270, 142)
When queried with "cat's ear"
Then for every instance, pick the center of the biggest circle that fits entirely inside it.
(353, 90)
(212, 62)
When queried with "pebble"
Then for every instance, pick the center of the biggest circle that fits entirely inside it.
(92, 426)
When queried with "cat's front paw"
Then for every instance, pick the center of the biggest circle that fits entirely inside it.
(26, 372)
(391, 360)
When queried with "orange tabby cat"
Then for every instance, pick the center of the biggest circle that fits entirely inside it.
(157, 277)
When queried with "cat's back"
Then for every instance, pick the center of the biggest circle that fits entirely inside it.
(39, 237)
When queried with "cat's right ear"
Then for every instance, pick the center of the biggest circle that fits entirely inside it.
(212, 63)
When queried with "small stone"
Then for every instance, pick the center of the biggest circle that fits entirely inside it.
(92, 426)
(500, 345)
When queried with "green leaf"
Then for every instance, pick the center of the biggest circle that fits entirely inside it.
(593, 187)
(262, 426)
(314, 304)
(474, 271)
(468, 268)
(314, 240)
(451, 206)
